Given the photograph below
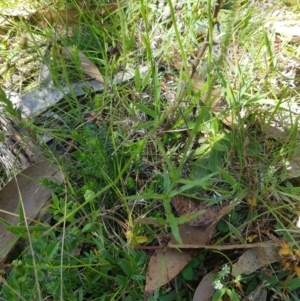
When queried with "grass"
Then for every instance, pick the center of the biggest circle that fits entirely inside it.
(126, 151)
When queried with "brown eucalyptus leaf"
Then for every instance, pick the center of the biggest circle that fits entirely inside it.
(198, 237)
(254, 259)
(164, 265)
(87, 65)
(205, 290)
(189, 206)
(24, 188)
(192, 236)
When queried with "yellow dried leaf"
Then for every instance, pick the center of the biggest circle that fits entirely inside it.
(285, 250)
(133, 240)
(251, 238)
(286, 264)
(141, 239)
(297, 271)
(129, 235)
(252, 201)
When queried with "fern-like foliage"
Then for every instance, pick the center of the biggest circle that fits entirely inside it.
(97, 160)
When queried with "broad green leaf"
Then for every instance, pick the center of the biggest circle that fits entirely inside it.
(232, 295)
(229, 179)
(137, 80)
(144, 125)
(174, 227)
(215, 160)
(140, 258)
(52, 249)
(87, 227)
(8, 105)
(218, 294)
(188, 273)
(145, 110)
(121, 280)
(188, 184)
(24, 229)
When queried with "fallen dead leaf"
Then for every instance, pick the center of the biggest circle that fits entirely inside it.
(254, 259)
(192, 236)
(164, 265)
(189, 206)
(205, 290)
(87, 65)
(25, 188)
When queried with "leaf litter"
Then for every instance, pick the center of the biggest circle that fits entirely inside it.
(189, 206)
(164, 265)
(254, 259)
(24, 192)
(195, 237)
(88, 67)
(205, 289)
(175, 261)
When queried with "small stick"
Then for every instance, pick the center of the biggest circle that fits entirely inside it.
(204, 46)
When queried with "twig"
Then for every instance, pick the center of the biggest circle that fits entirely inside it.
(204, 46)
(148, 247)
(265, 244)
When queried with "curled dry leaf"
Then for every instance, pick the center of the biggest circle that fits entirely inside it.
(189, 206)
(205, 290)
(198, 237)
(254, 259)
(164, 266)
(87, 65)
(24, 187)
